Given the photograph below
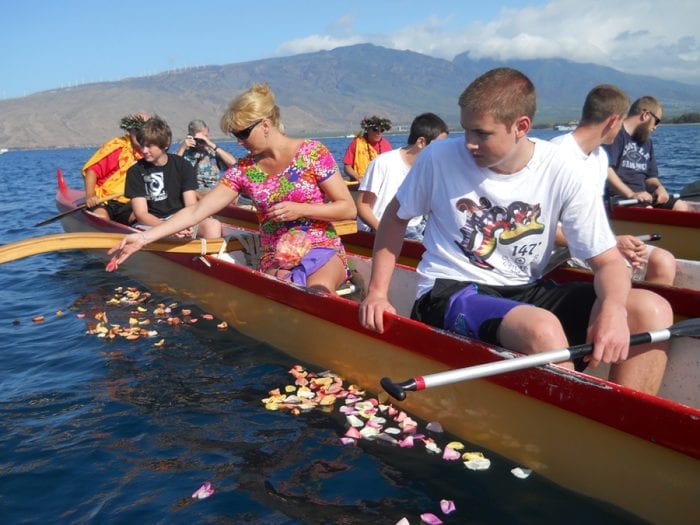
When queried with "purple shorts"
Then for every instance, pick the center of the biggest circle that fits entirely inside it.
(468, 310)
(310, 263)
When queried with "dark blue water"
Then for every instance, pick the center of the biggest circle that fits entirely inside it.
(95, 431)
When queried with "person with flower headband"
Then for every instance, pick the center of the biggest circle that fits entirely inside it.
(297, 190)
(368, 143)
(105, 172)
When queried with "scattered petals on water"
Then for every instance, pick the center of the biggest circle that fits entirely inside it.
(447, 506)
(521, 473)
(208, 317)
(38, 319)
(430, 519)
(159, 343)
(223, 325)
(204, 491)
(403, 521)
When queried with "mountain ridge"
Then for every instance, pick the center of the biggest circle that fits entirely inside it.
(319, 93)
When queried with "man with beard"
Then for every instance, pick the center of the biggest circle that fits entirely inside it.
(632, 171)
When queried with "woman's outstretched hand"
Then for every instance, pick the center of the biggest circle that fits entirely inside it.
(128, 245)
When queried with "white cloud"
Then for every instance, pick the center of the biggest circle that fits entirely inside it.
(635, 36)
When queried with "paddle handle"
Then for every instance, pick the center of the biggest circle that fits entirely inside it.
(398, 390)
(630, 202)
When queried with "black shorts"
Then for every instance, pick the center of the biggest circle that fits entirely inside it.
(118, 211)
(571, 303)
(668, 205)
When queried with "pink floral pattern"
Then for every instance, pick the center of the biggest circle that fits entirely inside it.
(299, 182)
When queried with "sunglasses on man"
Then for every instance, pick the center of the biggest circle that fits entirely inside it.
(656, 119)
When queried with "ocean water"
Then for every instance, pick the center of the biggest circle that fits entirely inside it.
(93, 431)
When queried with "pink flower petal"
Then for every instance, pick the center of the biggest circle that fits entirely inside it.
(451, 454)
(430, 519)
(204, 491)
(352, 432)
(348, 441)
(112, 265)
(406, 442)
(447, 506)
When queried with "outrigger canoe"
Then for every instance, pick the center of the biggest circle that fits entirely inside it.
(635, 451)
(680, 230)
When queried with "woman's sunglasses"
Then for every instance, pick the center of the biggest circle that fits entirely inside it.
(245, 133)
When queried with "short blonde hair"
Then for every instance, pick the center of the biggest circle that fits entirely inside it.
(645, 103)
(253, 104)
(505, 93)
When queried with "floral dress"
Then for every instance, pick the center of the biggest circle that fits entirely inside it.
(299, 182)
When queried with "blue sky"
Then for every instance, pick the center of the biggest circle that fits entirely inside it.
(50, 44)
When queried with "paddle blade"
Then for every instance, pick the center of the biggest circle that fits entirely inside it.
(687, 328)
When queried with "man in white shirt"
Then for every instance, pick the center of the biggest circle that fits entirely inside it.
(385, 174)
(493, 201)
(602, 116)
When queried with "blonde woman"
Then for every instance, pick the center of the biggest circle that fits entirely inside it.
(295, 186)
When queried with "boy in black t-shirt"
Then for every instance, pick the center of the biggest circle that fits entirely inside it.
(161, 184)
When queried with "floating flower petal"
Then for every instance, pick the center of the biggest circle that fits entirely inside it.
(521, 473)
(430, 519)
(478, 464)
(204, 491)
(447, 506)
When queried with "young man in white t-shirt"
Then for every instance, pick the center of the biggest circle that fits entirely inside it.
(385, 174)
(602, 115)
(493, 201)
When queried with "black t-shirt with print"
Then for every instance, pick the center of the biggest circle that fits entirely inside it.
(162, 186)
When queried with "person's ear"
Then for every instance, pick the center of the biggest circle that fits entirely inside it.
(522, 126)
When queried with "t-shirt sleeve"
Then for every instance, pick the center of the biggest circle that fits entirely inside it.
(652, 168)
(134, 185)
(189, 175)
(232, 178)
(584, 220)
(414, 194)
(106, 165)
(369, 180)
(324, 164)
(349, 157)
(614, 151)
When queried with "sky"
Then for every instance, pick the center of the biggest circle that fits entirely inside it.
(49, 44)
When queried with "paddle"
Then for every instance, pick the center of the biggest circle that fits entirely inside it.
(73, 210)
(691, 192)
(687, 328)
(561, 254)
(101, 241)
